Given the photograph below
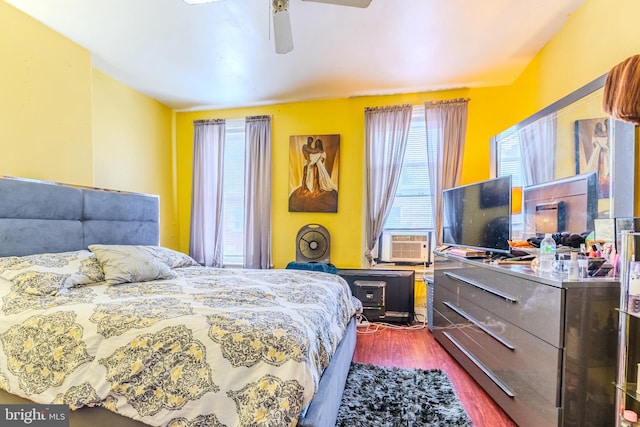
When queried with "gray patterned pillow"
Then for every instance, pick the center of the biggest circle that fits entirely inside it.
(173, 259)
(130, 263)
(46, 274)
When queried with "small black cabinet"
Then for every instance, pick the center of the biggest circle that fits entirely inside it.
(372, 296)
(398, 291)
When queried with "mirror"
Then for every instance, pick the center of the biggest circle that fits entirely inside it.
(583, 139)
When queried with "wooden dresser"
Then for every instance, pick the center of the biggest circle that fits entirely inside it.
(542, 347)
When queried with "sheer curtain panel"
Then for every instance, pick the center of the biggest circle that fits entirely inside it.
(257, 245)
(386, 131)
(446, 123)
(538, 148)
(205, 244)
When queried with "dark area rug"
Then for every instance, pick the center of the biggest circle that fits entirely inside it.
(392, 397)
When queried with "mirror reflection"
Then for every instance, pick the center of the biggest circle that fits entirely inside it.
(571, 162)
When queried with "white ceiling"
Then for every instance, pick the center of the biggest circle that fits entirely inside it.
(221, 55)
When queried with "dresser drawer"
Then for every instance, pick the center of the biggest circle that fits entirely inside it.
(521, 362)
(524, 405)
(533, 306)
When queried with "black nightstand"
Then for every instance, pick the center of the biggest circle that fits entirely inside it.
(398, 292)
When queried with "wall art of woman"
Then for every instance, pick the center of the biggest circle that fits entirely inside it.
(313, 177)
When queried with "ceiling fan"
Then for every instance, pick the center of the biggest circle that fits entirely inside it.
(281, 22)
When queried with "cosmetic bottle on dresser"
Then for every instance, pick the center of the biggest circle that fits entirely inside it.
(633, 305)
(629, 419)
(574, 270)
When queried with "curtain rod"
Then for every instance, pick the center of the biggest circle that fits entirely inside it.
(209, 122)
(257, 118)
(448, 101)
(388, 108)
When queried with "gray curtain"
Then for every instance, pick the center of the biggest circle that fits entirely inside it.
(257, 224)
(205, 244)
(446, 124)
(538, 148)
(386, 131)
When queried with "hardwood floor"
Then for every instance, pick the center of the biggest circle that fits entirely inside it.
(417, 348)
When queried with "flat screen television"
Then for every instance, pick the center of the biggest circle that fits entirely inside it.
(565, 205)
(478, 215)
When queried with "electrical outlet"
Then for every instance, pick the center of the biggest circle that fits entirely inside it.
(361, 321)
(363, 324)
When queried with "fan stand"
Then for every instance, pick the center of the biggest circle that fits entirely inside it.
(312, 244)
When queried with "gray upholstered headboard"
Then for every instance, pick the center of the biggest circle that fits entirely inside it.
(40, 217)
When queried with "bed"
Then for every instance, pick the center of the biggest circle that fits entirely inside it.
(97, 316)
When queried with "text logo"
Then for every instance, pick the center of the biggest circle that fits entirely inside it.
(34, 415)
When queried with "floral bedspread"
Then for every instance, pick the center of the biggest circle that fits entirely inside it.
(211, 347)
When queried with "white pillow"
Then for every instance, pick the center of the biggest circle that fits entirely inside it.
(46, 274)
(130, 263)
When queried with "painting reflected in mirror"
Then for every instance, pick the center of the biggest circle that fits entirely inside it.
(593, 151)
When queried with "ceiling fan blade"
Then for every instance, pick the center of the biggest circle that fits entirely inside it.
(282, 29)
(353, 3)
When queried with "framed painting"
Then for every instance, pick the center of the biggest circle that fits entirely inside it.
(313, 173)
(593, 151)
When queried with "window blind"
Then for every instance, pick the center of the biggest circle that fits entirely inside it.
(411, 209)
(233, 194)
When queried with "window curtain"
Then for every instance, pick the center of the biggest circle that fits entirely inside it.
(446, 124)
(205, 243)
(386, 131)
(538, 148)
(257, 223)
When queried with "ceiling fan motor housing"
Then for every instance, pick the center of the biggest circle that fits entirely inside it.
(312, 244)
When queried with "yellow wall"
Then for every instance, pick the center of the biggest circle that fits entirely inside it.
(596, 37)
(45, 102)
(63, 121)
(133, 147)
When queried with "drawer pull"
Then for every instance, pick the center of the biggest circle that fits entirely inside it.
(479, 325)
(482, 287)
(481, 366)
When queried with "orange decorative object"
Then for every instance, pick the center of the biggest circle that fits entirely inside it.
(516, 200)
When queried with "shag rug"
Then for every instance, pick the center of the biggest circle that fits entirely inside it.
(392, 397)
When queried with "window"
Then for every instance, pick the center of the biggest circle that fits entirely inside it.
(411, 209)
(509, 159)
(510, 163)
(233, 194)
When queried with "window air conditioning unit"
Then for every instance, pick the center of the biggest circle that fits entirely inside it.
(405, 247)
